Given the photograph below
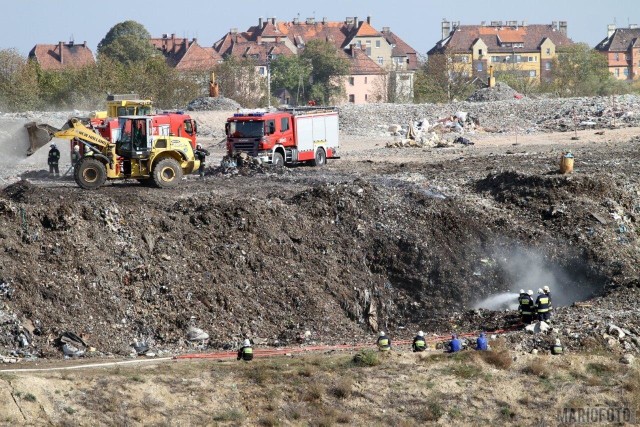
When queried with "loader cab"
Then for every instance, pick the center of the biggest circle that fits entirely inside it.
(135, 138)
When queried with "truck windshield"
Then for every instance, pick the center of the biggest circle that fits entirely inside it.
(242, 129)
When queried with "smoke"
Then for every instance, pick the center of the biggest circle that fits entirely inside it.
(529, 269)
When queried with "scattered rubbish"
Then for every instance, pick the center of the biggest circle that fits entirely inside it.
(196, 334)
(566, 163)
(599, 218)
(140, 347)
(462, 140)
(72, 345)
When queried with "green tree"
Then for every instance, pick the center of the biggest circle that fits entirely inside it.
(18, 82)
(442, 79)
(579, 70)
(127, 42)
(328, 65)
(292, 73)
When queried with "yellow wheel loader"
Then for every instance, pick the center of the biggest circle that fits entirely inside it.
(137, 152)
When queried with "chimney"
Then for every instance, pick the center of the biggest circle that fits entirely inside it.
(84, 43)
(369, 19)
(386, 30)
(165, 36)
(633, 26)
(296, 21)
(563, 27)
(60, 45)
(173, 36)
(310, 21)
(524, 23)
(273, 21)
(195, 40)
(233, 30)
(324, 20)
(446, 28)
(611, 28)
(260, 22)
(355, 20)
(353, 50)
(554, 25)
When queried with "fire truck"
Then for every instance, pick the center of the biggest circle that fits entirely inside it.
(285, 137)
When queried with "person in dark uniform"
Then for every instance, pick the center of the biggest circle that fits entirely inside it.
(526, 306)
(384, 343)
(419, 343)
(543, 302)
(53, 159)
(246, 351)
(201, 154)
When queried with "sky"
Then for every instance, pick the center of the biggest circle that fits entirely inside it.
(25, 23)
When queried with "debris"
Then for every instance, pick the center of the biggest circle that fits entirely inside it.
(537, 328)
(196, 334)
(627, 359)
(211, 104)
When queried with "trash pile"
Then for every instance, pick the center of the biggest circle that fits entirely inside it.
(422, 134)
(208, 103)
(500, 92)
(244, 165)
(524, 116)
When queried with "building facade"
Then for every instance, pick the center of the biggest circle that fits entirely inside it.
(62, 56)
(186, 55)
(621, 47)
(511, 46)
(373, 54)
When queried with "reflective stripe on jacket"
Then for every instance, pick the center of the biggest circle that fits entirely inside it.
(384, 343)
(542, 303)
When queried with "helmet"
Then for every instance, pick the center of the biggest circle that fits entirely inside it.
(52, 145)
(522, 291)
(540, 291)
(76, 148)
(530, 292)
(545, 288)
(558, 342)
(420, 333)
(199, 146)
(381, 333)
(246, 343)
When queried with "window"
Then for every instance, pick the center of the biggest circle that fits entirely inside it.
(368, 42)
(617, 72)
(352, 81)
(626, 57)
(380, 60)
(626, 72)
(352, 98)
(366, 80)
(284, 124)
(547, 66)
(532, 73)
(617, 56)
(366, 97)
(480, 52)
(533, 59)
(377, 43)
(464, 59)
(262, 71)
(479, 68)
(548, 51)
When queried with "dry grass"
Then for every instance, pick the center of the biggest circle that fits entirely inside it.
(342, 389)
(499, 359)
(366, 358)
(314, 393)
(537, 368)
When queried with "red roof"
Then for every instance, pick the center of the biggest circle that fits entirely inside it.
(62, 56)
(186, 55)
(361, 64)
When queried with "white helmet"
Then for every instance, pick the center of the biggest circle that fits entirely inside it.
(558, 342)
(246, 343)
(199, 146)
(420, 333)
(522, 291)
(545, 288)
(530, 292)
(540, 291)
(381, 333)
(52, 145)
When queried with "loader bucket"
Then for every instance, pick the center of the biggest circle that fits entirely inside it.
(39, 135)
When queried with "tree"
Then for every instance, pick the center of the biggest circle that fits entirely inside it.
(292, 73)
(328, 65)
(18, 82)
(442, 79)
(239, 80)
(579, 70)
(127, 42)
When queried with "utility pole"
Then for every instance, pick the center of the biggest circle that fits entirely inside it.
(269, 81)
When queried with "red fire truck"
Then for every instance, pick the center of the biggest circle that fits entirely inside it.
(284, 137)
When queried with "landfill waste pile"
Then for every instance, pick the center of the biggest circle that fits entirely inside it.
(500, 92)
(208, 103)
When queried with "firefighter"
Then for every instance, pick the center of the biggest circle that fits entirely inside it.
(384, 343)
(542, 306)
(75, 154)
(246, 351)
(54, 158)
(556, 348)
(547, 292)
(455, 345)
(526, 306)
(201, 154)
(419, 343)
(481, 342)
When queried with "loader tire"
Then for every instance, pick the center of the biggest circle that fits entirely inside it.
(277, 160)
(90, 173)
(320, 159)
(167, 173)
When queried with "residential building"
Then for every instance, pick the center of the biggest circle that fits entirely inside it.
(511, 46)
(372, 53)
(186, 55)
(621, 47)
(62, 56)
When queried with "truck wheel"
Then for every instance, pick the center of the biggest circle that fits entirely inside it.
(321, 158)
(90, 173)
(167, 173)
(277, 160)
